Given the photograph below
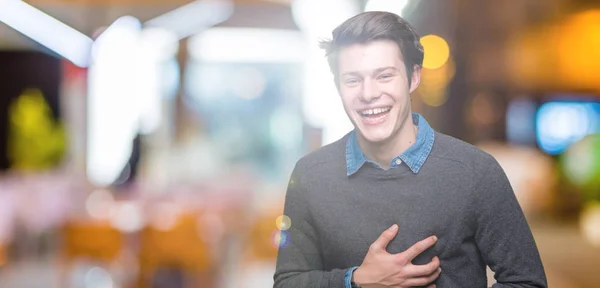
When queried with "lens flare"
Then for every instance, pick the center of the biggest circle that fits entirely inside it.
(283, 222)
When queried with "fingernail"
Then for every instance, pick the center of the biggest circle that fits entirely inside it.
(435, 238)
(394, 227)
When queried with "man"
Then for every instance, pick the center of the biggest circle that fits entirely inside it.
(394, 203)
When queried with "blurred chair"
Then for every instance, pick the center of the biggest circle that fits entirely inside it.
(177, 248)
(96, 240)
(262, 241)
(260, 246)
(91, 240)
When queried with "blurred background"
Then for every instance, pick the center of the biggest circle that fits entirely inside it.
(148, 143)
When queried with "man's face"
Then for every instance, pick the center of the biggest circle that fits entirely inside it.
(374, 89)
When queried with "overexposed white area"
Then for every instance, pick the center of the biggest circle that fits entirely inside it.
(247, 45)
(322, 106)
(46, 30)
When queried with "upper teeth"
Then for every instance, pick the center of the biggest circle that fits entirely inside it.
(375, 111)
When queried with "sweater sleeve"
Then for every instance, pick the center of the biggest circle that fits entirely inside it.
(299, 262)
(502, 233)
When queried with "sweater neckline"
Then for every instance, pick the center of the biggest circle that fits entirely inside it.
(371, 171)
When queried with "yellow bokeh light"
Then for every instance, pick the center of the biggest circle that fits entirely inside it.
(283, 222)
(436, 50)
(577, 49)
(590, 223)
(434, 96)
(439, 77)
(434, 84)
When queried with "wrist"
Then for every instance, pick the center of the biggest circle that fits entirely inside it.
(358, 278)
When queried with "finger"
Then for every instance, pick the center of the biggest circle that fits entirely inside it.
(423, 270)
(422, 281)
(418, 248)
(385, 238)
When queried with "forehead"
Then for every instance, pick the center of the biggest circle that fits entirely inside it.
(370, 56)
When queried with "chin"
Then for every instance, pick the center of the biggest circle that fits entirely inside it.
(375, 135)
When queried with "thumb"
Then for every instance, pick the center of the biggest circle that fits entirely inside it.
(385, 237)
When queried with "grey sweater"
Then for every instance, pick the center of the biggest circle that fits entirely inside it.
(461, 195)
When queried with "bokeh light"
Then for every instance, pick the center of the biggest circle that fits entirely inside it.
(280, 238)
(99, 204)
(560, 56)
(578, 46)
(520, 121)
(164, 216)
(285, 128)
(581, 165)
(98, 278)
(127, 216)
(483, 110)
(283, 222)
(590, 223)
(436, 50)
(434, 83)
(251, 83)
(559, 124)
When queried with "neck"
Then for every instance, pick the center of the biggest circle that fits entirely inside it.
(382, 153)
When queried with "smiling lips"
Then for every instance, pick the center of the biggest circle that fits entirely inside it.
(374, 116)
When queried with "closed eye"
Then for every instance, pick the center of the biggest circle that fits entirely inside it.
(386, 76)
(351, 82)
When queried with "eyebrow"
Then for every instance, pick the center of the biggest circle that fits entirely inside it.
(376, 71)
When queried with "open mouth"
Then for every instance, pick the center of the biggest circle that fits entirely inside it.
(375, 115)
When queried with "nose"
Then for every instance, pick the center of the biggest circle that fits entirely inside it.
(370, 91)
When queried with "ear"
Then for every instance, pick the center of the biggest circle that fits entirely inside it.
(416, 78)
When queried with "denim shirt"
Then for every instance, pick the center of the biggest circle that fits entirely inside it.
(413, 157)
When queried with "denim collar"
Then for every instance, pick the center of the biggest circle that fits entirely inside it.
(413, 157)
